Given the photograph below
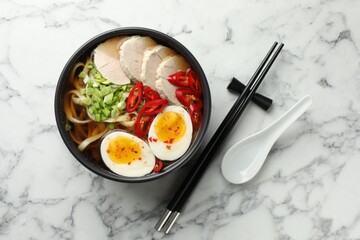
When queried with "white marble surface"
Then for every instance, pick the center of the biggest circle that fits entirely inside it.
(309, 188)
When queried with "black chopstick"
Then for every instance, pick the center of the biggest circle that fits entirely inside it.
(218, 135)
(214, 145)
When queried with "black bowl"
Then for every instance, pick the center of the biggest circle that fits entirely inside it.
(85, 50)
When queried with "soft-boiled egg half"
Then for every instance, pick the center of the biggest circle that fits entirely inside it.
(126, 154)
(170, 133)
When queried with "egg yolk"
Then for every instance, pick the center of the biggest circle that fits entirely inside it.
(170, 127)
(124, 150)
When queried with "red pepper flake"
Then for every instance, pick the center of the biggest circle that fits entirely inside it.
(168, 147)
(129, 163)
(171, 140)
(166, 141)
(155, 139)
(135, 151)
(122, 149)
(139, 158)
(150, 139)
(108, 151)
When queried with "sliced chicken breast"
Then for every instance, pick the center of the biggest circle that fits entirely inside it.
(167, 67)
(132, 54)
(152, 59)
(106, 60)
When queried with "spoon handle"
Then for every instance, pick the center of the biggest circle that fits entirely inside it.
(283, 122)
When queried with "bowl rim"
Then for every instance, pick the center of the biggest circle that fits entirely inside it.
(158, 37)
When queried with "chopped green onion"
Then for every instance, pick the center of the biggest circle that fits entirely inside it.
(111, 125)
(115, 99)
(102, 98)
(82, 75)
(89, 91)
(97, 105)
(105, 91)
(99, 79)
(106, 112)
(67, 127)
(115, 112)
(95, 98)
(97, 92)
(103, 117)
(86, 101)
(121, 105)
(89, 84)
(93, 71)
(102, 104)
(120, 95)
(108, 98)
(91, 110)
(89, 65)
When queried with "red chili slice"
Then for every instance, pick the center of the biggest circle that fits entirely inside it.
(179, 79)
(186, 97)
(194, 82)
(150, 94)
(158, 165)
(195, 115)
(134, 98)
(142, 124)
(154, 107)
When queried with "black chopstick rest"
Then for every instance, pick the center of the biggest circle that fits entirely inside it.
(258, 99)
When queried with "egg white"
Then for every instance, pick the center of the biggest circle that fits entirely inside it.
(137, 168)
(177, 149)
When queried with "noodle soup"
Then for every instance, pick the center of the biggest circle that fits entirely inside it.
(134, 106)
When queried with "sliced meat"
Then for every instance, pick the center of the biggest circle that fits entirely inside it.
(152, 59)
(167, 67)
(132, 54)
(106, 60)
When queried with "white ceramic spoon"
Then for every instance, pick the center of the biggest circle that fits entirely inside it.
(244, 160)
